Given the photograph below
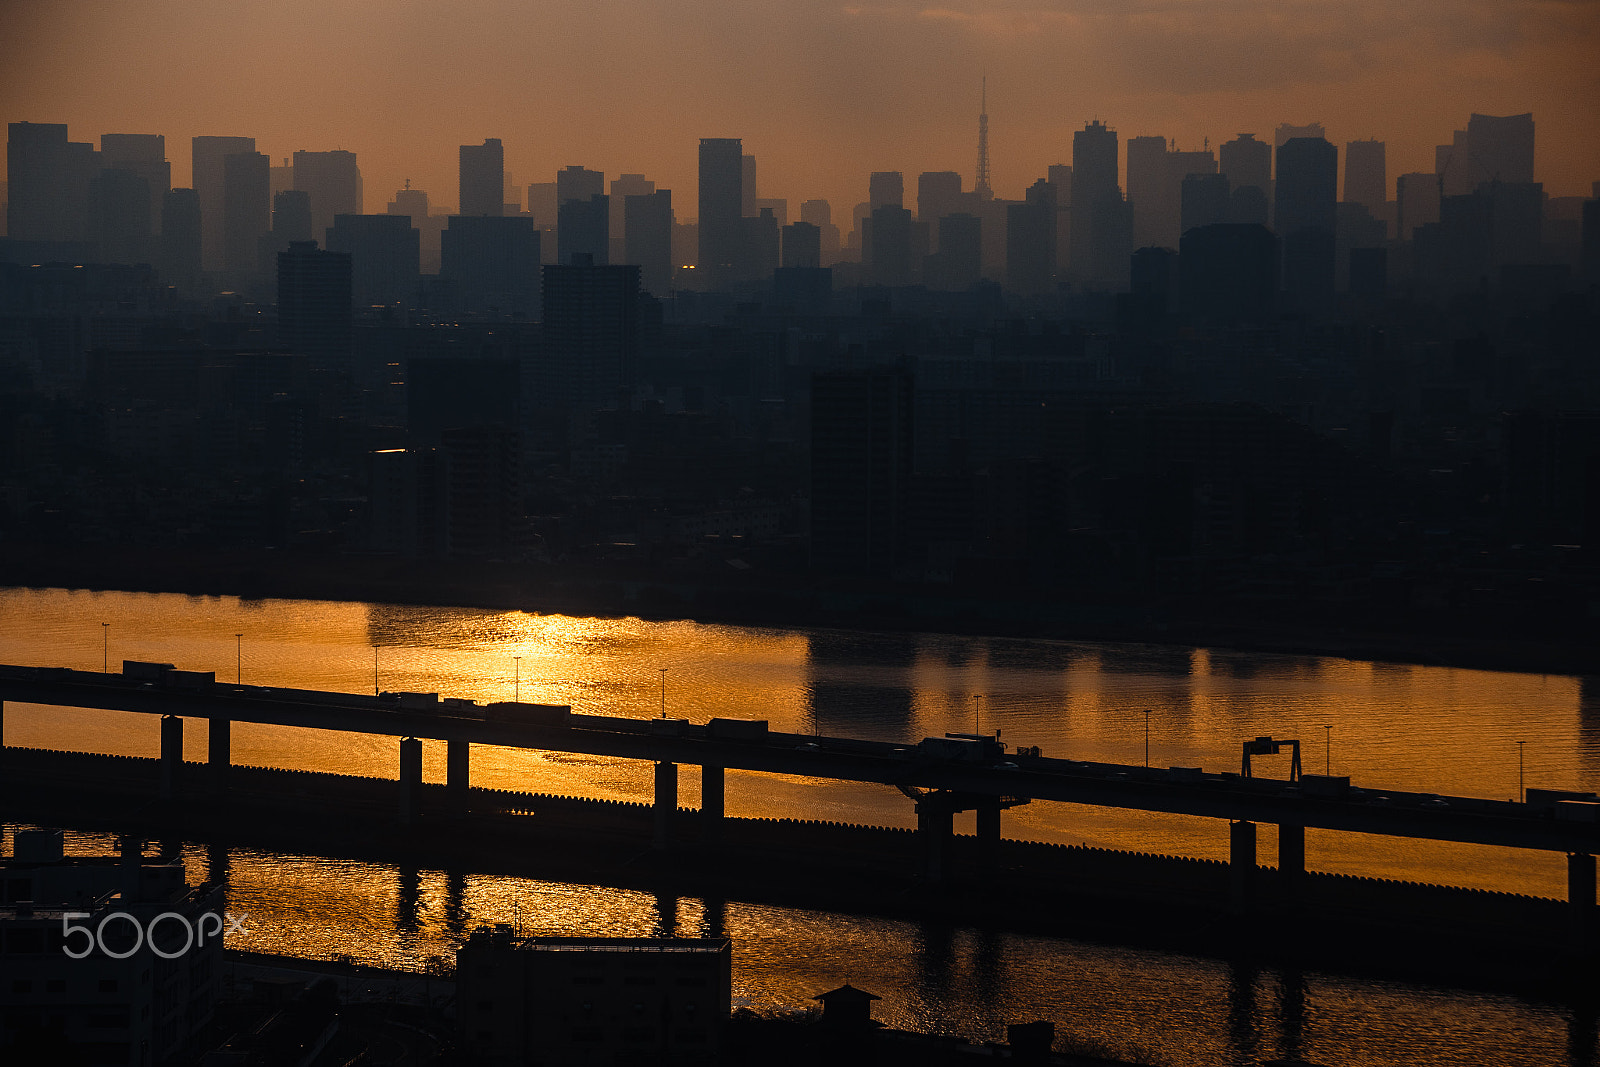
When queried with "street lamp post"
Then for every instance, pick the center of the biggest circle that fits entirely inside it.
(517, 693)
(1147, 737)
(1327, 749)
(375, 690)
(238, 658)
(977, 698)
(663, 671)
(1522, 793)
(105, 648)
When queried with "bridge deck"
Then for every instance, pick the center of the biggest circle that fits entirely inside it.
(1187, 792)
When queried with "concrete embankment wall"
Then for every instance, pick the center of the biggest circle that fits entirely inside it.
(803, 862)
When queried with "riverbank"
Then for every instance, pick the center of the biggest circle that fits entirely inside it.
(1513, 641)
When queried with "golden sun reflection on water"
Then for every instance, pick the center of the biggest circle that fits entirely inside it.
(1442, 730)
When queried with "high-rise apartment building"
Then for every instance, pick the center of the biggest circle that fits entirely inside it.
(1304, 217)
(1097, 206)
(647, 239)
(246, 210)
(48, 181)
(1500, 149)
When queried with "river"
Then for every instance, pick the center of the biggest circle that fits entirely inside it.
(1444, 730)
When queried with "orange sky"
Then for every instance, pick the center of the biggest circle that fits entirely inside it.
(822, 93)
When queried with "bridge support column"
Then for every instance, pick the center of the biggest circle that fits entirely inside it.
(934, 828)
(666, 807)
(712, 800)
(1580, 895)
(410, 778)
(458, 772)
(1291, 859)
(988, 825)
(171, 756)
(220, 753)
(1241, 862)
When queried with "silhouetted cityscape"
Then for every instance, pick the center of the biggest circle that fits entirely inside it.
(1157, 377)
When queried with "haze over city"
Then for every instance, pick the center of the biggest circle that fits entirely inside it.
(821, 93)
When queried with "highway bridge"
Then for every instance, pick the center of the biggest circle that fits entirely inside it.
(941, 776)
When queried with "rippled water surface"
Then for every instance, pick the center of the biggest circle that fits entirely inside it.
(1448, 731)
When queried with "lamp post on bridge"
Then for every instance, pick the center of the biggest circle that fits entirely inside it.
(1327, 749)
(105, 648)
(375, 690)
(663, 671)
(1147, 737)
(1522, 793)
(977, 698)
(238, 658)
(517, 692)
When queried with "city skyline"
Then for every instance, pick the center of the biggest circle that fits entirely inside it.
(821, 96)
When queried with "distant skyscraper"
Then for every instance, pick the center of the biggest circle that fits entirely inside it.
(180, 238)
(1304, 214)
(747, 186)
(1366, 179)
(1096, 202)
(1247, 161)
(959, 262)
(802, 245)
(1030, 240)
(1205, 200)
(938, 194)
(1150, 187)
(334, 182)
(720, 199)
(886, 188)
(1453, 164)
(385, 257)
(1500, 149)
(647, 240)
(208, 156)
(144, 154)
(483, 178)
(820, 214)
(246, 210)
(583, 227)
(291, 218)
(889, 258)
(1286, 132)
(578, 183)
(120, 224)
(542, 201)
(1417, 203)
(591, 334)
(621, 188)
(48, 180)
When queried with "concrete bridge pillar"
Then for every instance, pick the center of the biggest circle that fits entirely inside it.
(458, 772)
(1580, 894)
(988, 825)
(1242, 862)
(1291, 859)
(219, 750)
(935, 824)
(712, 799)
(171, 755)
(410, 778)
(666, 806)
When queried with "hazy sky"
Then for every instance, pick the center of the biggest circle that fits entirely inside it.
(822, 93)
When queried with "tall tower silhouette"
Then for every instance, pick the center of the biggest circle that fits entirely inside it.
(981, 186)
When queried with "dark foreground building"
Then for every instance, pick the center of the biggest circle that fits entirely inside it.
(562, 1000)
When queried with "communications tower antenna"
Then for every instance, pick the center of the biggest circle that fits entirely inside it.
(982, 184)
